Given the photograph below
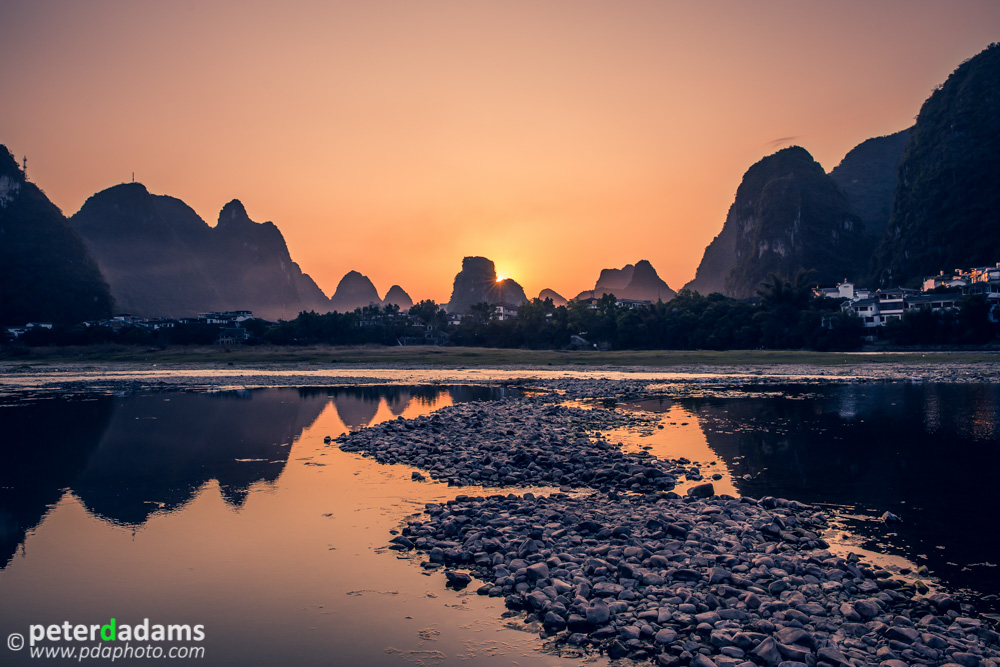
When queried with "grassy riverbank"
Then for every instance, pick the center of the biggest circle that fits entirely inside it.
(456, 357)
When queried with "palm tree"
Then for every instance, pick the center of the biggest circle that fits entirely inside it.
(781, 293)
(782, 304)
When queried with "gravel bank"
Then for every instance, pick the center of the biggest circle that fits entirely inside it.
(628, 568)
(694, 581)
(519, 443)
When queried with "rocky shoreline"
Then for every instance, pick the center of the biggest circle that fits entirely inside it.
(71, 376)
(618, 563)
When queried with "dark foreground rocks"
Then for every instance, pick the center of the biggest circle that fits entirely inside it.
(719, 581)
(629, 568)
(518, 443)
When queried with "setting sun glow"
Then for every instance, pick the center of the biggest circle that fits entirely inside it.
(416, 128)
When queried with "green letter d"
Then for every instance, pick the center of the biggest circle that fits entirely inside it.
(108, 631)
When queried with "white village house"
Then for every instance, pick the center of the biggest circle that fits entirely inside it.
(878, 308)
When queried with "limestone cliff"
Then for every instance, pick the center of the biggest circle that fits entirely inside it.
(788, 215)
(397, 296)
(638, 282)
(477, 282)
(354, 291)
(946, 213)
(161, 259)
(46, 271)
(557, 299)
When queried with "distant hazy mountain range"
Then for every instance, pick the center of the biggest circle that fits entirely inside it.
(557, 299)
(895, 209)
(160, 258)
(357, 291)
(638, 282)
(354, 291)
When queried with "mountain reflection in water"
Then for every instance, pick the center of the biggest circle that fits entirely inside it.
(229, 510)
(126, 458)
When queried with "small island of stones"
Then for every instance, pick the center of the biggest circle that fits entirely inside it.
(603, 556)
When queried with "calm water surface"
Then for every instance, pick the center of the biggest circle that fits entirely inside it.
(928, 453)
(227, 509)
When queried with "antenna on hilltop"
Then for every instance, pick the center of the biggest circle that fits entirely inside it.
(24, 168)
(133, 176)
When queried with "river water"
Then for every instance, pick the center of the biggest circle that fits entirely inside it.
(227, 509)
(928, 453)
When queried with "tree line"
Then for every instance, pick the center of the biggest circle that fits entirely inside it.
(785, 315)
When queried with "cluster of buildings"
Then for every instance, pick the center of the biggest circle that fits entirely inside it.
(20, 331)
(507, 311)
(942, 292)
(595, 302)
(229, 323)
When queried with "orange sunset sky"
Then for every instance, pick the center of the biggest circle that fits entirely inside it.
(396, 137)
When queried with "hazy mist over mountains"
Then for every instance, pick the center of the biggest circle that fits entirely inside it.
(896, 208)
(160, 258)
(638, 282)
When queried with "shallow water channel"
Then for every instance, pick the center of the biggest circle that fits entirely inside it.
(228, 509)
(928, 453)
